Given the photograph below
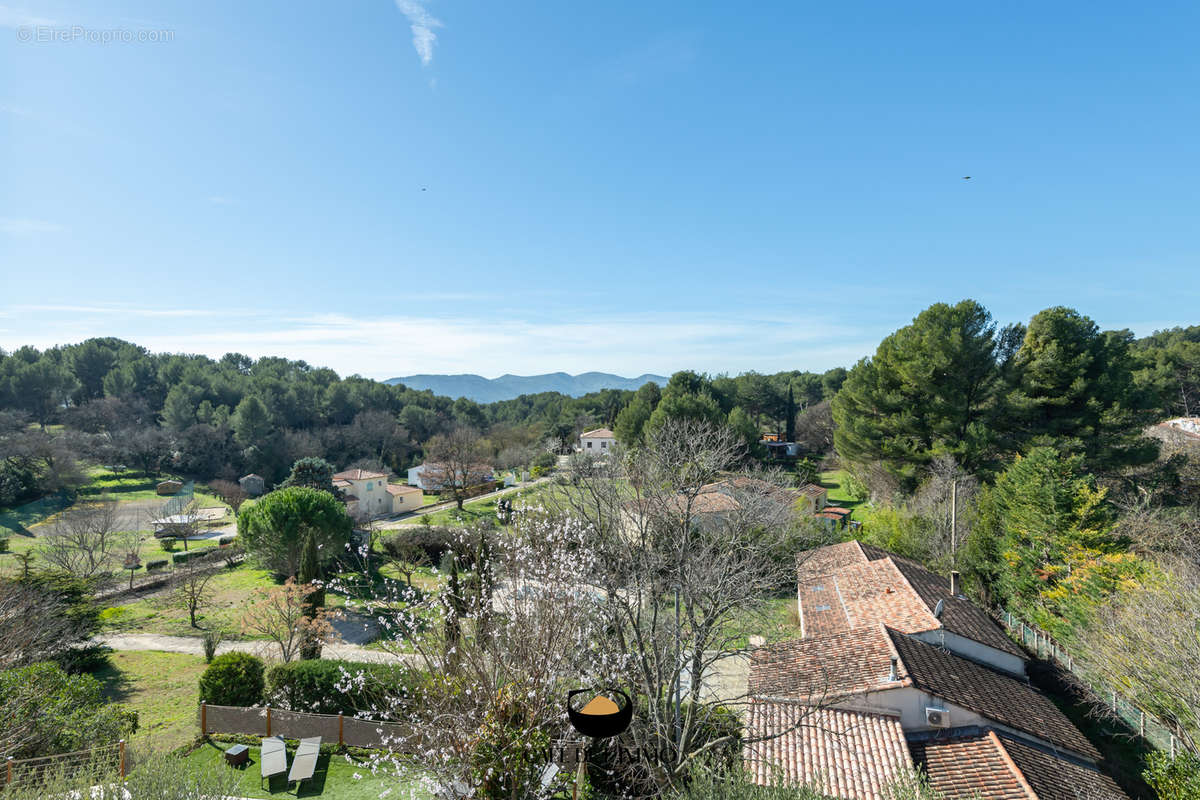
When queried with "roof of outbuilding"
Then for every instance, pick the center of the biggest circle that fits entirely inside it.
(599, 433)
(400, 488)
(848, 754)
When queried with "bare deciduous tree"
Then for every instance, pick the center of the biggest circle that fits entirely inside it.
(949, 499)
(683, 549)
(190, 587)
(34, 625)
(231, 493)
(280, 614)
(84, 541)
(456, 462)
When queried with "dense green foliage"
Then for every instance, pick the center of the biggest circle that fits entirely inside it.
(313, 472)
(1174, 778)
(273, 530)
(47, 711)
(1044, 543)
(951, 384)
(233, 679)
(326, 686)
(930, 389)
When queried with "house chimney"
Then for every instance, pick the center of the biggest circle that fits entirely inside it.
(895, 673)
(955, 584)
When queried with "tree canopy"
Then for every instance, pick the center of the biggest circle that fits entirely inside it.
(274, 528)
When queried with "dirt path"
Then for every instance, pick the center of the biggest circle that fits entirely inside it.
(193, 645)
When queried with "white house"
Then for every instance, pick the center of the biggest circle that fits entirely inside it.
(368, 493)
(597, 442)
(433, 477)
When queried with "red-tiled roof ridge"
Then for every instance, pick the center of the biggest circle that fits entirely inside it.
(357, 475)
(1008, 762)
(820, 668)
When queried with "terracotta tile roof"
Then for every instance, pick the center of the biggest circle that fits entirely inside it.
(961, 766)
(813, 490)
(847, 754)
(829, 559)
(357, 475)
(400, 488)
(857, 660)
(341, 484)
(599, 433)
(959, 615)
(1055, 777)
(999, 765)
(863, 585)
(877, 592)
(991, 694)
(837, 664)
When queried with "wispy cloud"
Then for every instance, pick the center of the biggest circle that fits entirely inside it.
(422, 24)
(220, 200)
(16, 111)
(22, 226)
(119, 310)
(387, 346)
(19, 18)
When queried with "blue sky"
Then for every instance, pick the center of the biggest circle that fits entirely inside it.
(450, 186)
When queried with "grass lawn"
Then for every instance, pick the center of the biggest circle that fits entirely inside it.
(479, 509)
(835, 482)
(776, 622)
(231, 589)
(161, 687)
(335, 777)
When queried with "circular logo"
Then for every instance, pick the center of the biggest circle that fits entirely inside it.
(24, 33)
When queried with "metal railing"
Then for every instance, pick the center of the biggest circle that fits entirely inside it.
(1150, 728)
(24, 770)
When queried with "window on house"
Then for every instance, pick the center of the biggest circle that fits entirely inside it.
(603, 445)
(589, 445)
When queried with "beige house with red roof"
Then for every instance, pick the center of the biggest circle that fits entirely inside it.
(368, 494)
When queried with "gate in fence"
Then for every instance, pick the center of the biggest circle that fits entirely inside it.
(1156, 733)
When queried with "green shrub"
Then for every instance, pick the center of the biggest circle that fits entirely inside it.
(181, 558)
(155, 566)
(210, 641)
(538, 471)
(3, 544)
(545, 461)
(1174, 778)
(321, 686)
(233, 679)
(225, 541)
(168, 544)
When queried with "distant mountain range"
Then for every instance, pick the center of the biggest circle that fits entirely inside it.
(506, 387)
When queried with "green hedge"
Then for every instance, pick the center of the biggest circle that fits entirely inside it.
(233, 679)
(320, 686)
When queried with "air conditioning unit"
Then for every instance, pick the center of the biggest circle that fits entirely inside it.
(937, 717)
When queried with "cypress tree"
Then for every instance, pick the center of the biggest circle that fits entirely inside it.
(310, 572)
(791, 416)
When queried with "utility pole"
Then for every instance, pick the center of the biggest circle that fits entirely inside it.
(954, 522)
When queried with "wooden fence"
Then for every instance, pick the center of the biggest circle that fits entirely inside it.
(267, 721)
(23, 770)
(1154, 731)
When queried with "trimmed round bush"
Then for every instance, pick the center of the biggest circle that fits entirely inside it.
(232, 679)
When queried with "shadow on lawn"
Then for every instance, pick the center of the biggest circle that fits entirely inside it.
(114, 684)
(278, 784)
